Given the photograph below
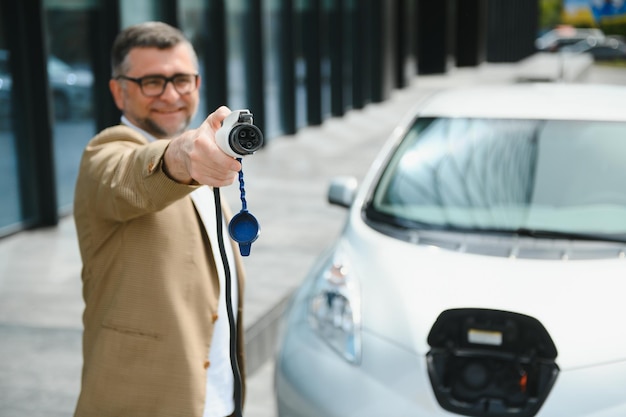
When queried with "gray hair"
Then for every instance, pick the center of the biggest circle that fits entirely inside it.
(145, 35)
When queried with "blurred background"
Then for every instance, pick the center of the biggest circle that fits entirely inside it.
(293, 63)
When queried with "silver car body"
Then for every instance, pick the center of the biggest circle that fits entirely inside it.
(375, 360)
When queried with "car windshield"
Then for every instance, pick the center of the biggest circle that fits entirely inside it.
(535, 176)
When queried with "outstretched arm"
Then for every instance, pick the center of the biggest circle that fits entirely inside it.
(195, 157)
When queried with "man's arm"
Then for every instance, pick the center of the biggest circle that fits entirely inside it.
(194, 157)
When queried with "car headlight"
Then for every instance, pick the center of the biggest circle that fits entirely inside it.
(335, 307)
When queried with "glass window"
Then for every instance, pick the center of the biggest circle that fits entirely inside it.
(137, 11)
(191, 14)
(235, 12)
(300, 66)
(69, 29)
(10, 207)
(271, 26)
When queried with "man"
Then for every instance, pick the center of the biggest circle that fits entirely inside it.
(156, 333)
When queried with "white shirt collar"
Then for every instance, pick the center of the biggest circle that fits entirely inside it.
(143, 132)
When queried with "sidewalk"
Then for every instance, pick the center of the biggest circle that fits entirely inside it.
(40, 289)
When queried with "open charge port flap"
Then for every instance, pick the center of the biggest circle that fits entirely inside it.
(490, 363)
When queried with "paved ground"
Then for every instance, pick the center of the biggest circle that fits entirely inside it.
(40, 293)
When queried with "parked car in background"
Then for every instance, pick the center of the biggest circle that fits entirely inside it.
(71, 88)
(481, 268)
(557, 38)
(607, 49)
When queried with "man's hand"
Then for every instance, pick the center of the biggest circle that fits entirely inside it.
(195, 155)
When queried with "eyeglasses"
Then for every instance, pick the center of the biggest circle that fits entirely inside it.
(154, 85)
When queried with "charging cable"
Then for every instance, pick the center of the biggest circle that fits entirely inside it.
(237, 137)
(238, 385)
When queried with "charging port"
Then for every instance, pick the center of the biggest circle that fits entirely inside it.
(490, 363)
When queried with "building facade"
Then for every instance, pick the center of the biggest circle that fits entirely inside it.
(293, 63)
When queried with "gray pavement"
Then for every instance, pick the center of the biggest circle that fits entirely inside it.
(40, 288)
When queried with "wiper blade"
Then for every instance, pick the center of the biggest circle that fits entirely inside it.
(395, 221)
(553, 234)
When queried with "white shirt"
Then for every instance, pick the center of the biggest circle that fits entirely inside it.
(219, 401)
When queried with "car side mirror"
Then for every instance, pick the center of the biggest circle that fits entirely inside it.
(342, 191)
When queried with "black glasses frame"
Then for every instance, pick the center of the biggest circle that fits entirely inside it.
(139, 81)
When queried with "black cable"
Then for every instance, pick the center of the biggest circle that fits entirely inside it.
(229, 306)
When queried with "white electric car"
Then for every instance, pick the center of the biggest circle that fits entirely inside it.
(482, 268)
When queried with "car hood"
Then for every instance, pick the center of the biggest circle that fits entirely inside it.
(405, 286)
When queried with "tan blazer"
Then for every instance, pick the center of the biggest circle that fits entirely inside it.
(149, 283)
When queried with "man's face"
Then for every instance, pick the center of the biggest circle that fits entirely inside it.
(168, 114)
